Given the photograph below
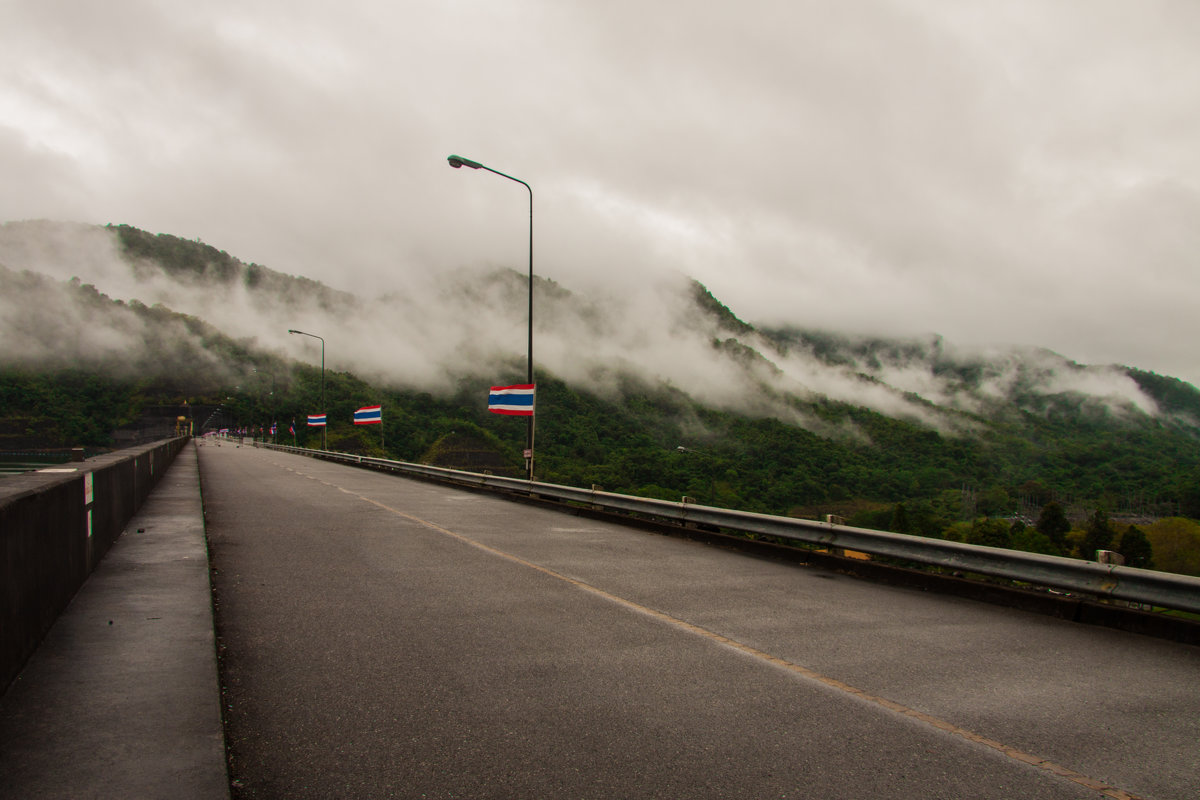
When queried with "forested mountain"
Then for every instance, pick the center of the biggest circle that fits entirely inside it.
(664, 394)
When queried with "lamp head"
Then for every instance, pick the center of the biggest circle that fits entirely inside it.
(459, 161)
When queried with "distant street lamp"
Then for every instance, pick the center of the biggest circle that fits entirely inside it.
(313, 335)
(271, 405)
(709, 459)
(457, 162)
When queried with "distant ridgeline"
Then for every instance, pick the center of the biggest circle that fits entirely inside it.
(193, 263)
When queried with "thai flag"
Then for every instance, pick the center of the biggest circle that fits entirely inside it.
(274, 427)
(292, 428)
(316, 420)
(513, 400)
(369, 415)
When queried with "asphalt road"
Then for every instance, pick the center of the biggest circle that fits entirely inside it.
(383, 637)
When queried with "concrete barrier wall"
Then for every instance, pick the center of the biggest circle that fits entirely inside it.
(55, 527)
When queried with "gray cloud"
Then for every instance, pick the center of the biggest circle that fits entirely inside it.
(1021, 173)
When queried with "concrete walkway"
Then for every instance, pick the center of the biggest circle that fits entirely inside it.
(122, 699)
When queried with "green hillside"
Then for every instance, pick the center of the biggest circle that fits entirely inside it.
(993, 455)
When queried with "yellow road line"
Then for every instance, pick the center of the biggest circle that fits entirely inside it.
(1101, 788)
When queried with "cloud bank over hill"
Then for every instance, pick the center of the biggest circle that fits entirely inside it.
(1020, 172)
(471, 323)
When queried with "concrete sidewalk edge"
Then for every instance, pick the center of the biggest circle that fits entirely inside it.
(122, 698)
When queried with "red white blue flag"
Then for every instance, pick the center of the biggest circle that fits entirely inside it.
(516, 400)
(316, 420)
(369, 415)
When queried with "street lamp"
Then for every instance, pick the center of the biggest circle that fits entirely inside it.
(271, 405)
(313, 335)
(457, 162)
(711, 461)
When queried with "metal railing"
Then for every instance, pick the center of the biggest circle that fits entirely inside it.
(1144, 586)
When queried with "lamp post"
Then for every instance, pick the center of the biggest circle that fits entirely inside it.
(271, 405)
(313, 335)
(712, 478)
(457, 162)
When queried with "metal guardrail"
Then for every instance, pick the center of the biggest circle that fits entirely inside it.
(1162, 589)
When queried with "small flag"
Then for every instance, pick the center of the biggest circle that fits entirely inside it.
(316, 420)
(369, 415)
(513, 400)
(292, 428)
(274, 428)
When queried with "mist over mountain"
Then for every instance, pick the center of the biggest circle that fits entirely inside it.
(660, 393)
(472, 322)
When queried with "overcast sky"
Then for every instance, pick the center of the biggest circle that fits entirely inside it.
(1023, 172)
